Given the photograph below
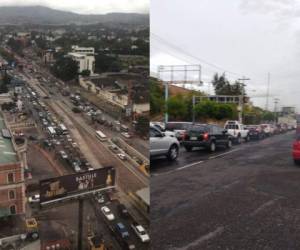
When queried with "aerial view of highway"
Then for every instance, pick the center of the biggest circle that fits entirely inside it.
(78, 158)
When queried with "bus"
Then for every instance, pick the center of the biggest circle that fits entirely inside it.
(100, 135)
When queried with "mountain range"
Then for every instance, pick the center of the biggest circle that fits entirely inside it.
(18, 15)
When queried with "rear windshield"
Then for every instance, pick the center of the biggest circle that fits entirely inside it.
(199, 128)
(177, 126)
(232, 126)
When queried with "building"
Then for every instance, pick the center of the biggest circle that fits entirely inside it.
(85, 57)
(12, 186)
(125, 90)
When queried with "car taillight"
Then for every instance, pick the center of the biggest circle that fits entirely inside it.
(205, 136)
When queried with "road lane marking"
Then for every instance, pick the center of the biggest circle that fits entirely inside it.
(188, 166)
(226, 153)
(202, 239)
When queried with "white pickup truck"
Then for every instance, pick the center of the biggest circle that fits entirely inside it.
(237, 130)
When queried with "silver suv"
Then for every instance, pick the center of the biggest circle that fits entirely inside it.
(163, 145)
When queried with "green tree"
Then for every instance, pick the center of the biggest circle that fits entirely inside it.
(177, 108)
(65, 68)
(224, 87)
(85, 72)
(157, 102)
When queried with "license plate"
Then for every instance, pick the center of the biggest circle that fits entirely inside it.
(194, 138)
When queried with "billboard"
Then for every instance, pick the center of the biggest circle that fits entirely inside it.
(67, 185)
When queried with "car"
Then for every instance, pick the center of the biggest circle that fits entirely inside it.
(63, 154)
(34, 198)
(76, 166)
(123, 210)
(113, 147)
(179, 128)
(99, 198)
(163, 145)
(140, 232)
(237, 130)
(209, 136)
(122, 156)
(107, 213)
(122, 230)
(296, 150)
(126, 135)
(268, 129)
(256, 132)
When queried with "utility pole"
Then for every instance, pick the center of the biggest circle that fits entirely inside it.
(268, 92)
(276, 101)
(243, 79)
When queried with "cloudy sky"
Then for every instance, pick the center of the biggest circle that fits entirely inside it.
(87, 6)
(240, 37)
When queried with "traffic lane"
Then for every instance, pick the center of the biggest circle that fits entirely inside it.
(218, 200)
(161, 165)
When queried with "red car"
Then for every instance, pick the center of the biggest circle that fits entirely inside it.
(296, 150)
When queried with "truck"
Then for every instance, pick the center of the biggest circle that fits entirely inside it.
(238, 131)
(290, 121)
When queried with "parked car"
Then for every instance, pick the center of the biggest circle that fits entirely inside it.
(140, 232)
(296, 150)
(256, 132)
(208, 136)
(107, 213)
(163, 145)
(122, 230)
(237, 130)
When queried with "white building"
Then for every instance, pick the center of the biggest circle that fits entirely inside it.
(84, 57)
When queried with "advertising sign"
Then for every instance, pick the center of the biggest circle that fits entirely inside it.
(63, 186)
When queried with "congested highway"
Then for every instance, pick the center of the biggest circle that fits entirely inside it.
(245, 197)
(68, 140)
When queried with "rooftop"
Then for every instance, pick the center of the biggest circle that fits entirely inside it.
(7, 152)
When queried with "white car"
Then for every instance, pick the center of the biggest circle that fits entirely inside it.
(34, 199)
(163, 145)
(63, 154)
(122, 156)
(140, 232)
(238, 131)
(107, 213)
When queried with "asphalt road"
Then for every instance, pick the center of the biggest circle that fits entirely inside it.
(245, 198)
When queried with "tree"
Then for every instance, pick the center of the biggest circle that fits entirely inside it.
(142, 126)
(85, 72)
(157, 102)
(104, 63)
(224, 87)
(177, 108)
(65, 68)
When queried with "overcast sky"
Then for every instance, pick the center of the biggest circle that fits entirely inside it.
(245, 37)
(87, 6)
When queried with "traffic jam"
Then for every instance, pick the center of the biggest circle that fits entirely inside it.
(55, 138)
(168, 140)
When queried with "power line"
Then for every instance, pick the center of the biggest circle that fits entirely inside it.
(160, 39)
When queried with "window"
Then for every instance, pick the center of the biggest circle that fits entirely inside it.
(11, 178)
(154, 133)
(12, 194)
(13, 209)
